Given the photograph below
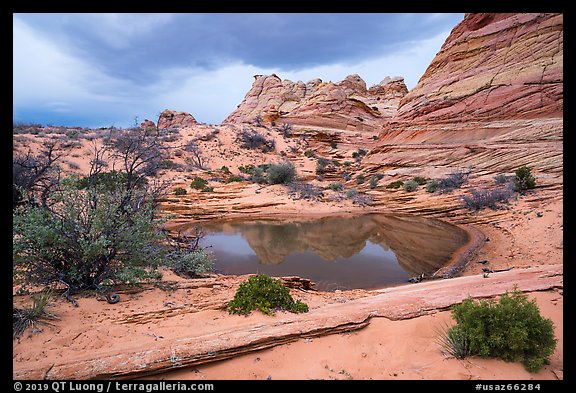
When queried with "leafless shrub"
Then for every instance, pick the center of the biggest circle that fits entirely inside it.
(307, 191)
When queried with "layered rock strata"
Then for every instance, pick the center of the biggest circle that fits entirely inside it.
(345, 105)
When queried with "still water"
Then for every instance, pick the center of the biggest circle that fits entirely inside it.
(368, 252)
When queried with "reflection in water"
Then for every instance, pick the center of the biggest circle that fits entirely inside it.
(370, 251)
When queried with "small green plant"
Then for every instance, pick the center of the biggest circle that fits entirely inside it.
(395, 184)
(321, 165)
(22, 318)
(432, 185)
(410, 186)
(198, 183)
(351, 193)
(179, 191)
(347, 163)
(511, 329)
(207, 189)
(524, 180)
(374, 181)
(360, 179)
(336, 186)
(266, 294)
(234, 178)
(191, 263)
(309, 154)
(225, 169)
(282, 173)
(420, 180)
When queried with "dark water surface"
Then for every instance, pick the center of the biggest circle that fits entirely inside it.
(369, 251)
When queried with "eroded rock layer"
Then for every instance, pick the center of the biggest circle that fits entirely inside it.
(504, 66)
(345, 105)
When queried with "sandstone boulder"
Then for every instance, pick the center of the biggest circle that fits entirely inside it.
(170, 119)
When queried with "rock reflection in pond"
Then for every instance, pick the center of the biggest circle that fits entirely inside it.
(369, 251)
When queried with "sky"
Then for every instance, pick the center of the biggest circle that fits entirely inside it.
(100, 70)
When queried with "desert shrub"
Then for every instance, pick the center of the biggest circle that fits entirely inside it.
(23, 318)
(198, 183)
(234, 178)
(285, 130)
(511, 329)
(452, 181)
(374, 181)
(207, 189)
(346, 175)
(333, 144)
(309, 154)
(282, 173)
(432, 185)
(502, 179)
(480, 198)
(347, 163)
(106, 233)
(336, 186)
(361, 199)
(395, 184)
(301, 190)
(420, 180)
(191, 263)
(410, 186)
(87, 244)
(247, 169)
(266, 294)
(360, 179)
(351, 193)
(225, 169)
(179, 191)
(523, 179)
(321, 165)
(251, 139)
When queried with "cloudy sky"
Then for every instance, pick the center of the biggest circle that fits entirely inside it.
(97, 70)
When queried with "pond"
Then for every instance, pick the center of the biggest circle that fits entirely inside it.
(369, 251)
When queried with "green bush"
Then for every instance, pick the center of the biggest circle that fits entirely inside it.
(266, 294)
(432, 185)
(179, 191)
(85, 244)
(207, 189)
(198, 183)
(283, 173)
(374, 181)
(395, 184)
(420, 180)
(191, 263)
(410, 186)
(360, 179)
(336, 186)
(511, 329)
(321, 165)
(234, 178)
(524, 180)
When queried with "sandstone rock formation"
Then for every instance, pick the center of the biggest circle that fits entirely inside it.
(502, 66)
(491, 99)
(345, 105)
(169, 119)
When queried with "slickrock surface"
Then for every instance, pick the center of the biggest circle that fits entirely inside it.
(129, 344)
